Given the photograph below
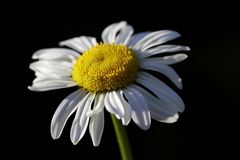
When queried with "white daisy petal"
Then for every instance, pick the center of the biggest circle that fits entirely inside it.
(159, 109)
(80, 44)
(127, 109)
(124, 35)
(164, 69)
(122, 106)
(135, 38)
(115, 100)
(56, 54)
(158, 105)
(105, 34)
(163, 49)
(172, 119)
(109, 101)
(96, 126)
(115, 107)
(109, 33)
(168, 60)
(49, 77)
(98, 105)
(46, 78)
(64, 111)
(38, 74)
(81, 119)
(140, 112)
(96, 123)
(89, 42)
(51, 67)
(155, 38)
(162, 91)
(51, 85)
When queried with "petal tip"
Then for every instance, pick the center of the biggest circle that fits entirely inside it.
(180, 85)
(145, 127)
(172, 119)
(123, 22)
(183, 57)
(34, 56)
(96, 144)
(74, 140)
(30, 88)
(54, 136)
(74, 143)
(54, 131)
(175, 33)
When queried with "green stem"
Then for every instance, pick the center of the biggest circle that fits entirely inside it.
(122, 139)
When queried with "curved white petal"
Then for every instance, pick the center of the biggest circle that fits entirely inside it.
(109, 107)
(124, 35)
(163, 49)
(81, 119)
(168, 60)
(98, 104)
(113, 104)
(64, 111)
(125, 109)
(96, 126)
(172, 119)
(109, 33)
(155, 38)
(160, 106)
(140, 112)
(57, 54)
(39, 74)
(63, 68)
(160, 110)
(164, 69)
(51, 85)
(80, 44)
(135, 38)
(49, 77)
(160, 89)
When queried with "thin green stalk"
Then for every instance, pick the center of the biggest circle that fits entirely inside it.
(122, 139)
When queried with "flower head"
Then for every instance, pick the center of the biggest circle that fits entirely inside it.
(111, 75)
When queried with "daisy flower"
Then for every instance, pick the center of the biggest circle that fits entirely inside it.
(112, 76)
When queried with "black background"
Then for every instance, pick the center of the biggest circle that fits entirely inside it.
(208, 127)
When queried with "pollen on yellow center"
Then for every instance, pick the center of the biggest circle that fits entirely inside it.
(105, 67)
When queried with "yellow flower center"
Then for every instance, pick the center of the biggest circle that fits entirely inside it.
(105, 67)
